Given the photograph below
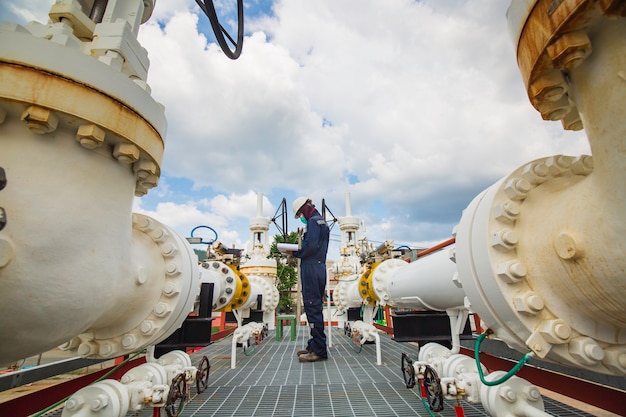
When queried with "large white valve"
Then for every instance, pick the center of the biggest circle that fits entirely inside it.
(149, 384)
(500, 394)
(540, 254)
(362, 332)
(81, 137)
(248, 335)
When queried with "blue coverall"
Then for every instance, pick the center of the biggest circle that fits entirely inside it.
(313, 275)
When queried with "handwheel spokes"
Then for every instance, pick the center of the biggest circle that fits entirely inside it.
(177, 396)
(434, 393)
(202, 375)
(408, 372)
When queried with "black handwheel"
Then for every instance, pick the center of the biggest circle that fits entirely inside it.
(434, 394)
(408, 372)
(202, 374)
(218, 30)
(177, 397)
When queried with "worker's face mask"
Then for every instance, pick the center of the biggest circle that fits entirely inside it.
(303, 219)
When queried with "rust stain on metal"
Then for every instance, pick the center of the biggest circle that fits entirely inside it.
(33, 86)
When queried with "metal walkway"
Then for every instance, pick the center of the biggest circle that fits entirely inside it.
(269, 381)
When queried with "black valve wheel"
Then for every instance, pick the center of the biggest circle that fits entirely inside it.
(408, 372)
(434, 394)
(220, 33)
(177, 396)
(202, 375)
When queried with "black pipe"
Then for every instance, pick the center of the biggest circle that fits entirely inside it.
(97, 10)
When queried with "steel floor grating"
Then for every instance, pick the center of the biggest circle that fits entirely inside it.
(269, 381)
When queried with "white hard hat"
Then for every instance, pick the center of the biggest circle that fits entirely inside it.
(298, 203)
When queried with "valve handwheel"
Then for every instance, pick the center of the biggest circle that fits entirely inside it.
(220, 33)
(177, 397)
(408, 372)
(202, 375)
(434, 394)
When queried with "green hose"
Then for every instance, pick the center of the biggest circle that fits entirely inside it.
(508, 375)
(426, 406)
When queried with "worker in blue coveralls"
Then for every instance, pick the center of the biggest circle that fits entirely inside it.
(312, 256)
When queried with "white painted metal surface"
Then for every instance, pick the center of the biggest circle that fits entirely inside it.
(540, 253)
(146, 385)
(459, 379)
(259, 268)
(81, 136)
(428, 283)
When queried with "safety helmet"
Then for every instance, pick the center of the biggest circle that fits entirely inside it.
(298, 203)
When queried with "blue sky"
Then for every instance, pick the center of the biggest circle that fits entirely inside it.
(411, 107)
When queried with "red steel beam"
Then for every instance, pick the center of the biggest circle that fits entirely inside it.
(222, 334)
(32, 403)
(436, 247)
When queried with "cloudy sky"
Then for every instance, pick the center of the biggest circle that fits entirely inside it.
(412, 107)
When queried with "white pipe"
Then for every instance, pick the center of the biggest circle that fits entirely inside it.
(430, 282)
(348, 205)
(329, 310)
(379, 355)
(233, 352)
(259, 204)
(458, 318)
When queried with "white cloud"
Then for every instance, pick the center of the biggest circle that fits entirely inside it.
(228, 215)
(422, 102)
(25, 11)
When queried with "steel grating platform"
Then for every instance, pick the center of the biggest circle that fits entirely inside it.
(269, 381)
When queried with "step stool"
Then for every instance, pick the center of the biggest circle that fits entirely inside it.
(279, 326)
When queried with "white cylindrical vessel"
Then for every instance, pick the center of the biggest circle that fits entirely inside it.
(430, 283)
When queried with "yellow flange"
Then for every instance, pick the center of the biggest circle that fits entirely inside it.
(242, 290)
(366, 287)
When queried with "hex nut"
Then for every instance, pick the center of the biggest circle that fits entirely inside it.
(554, 110)
(549, 86)
(555, 331)
(572, 121)
(586, 350)
(40, 120)
(90, 136)
(129, 341)
(511, 272)
(517, 188)
(535, 173)
(570, 50)
(126, 153)
(507, 212)
(144, 168)
(583, 165)
(504, 240)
